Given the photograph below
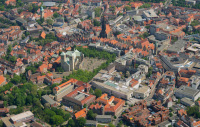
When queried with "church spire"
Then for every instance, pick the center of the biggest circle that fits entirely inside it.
(103, 27)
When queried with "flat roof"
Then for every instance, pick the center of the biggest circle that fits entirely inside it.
(142, 89)
(104, 116)
(187, 100)
(177, 46)
(48, 99)
(150, 13)
(187, 91)
(6, 121)
(22, 115)
(80, 96)
(91, 122)
(119, 89)
(49, 4)
(195, 47)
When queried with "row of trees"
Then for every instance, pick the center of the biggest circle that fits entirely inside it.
(182, 3)
(92, 52)
(145, 5)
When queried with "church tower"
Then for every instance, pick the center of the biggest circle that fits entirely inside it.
(42, 12)
(155, 49)
(103, 27)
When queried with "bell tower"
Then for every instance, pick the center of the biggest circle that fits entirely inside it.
(42, 12)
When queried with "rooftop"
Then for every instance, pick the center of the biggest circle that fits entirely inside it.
(49, 4)
(48, 99)
(21, 116)
(189, 91)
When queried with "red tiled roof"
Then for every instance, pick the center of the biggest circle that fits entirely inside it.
(2, 79)
(43, 35)
(81, 113)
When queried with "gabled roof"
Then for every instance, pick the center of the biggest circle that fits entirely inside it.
(43, 35)
(81, 113)
(2, 79)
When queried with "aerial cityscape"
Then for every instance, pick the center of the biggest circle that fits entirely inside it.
(99, 63)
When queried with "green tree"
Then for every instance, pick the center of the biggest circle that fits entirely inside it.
(171, 109)
(96, 23)
(91, 115)
(81, 122)
(117, 33)
(16, 79)
(40, 21)
(12, 59)
(1, 123)
(30, 7)
(29, 100)
(16, 111)
(120, 123)
(113, 8)
(27, 33)
(150, 71)
(145, 5)
(56, 15)
(97, 92)
(120, 14)
(91, 91)
(9, 49)
(97, 11)
(57, 120)
(170, 114)
(67, 116)
(127, 8)
(71, 123)
(111, 125)
(19, 11)
(49, 21)
(84, 106)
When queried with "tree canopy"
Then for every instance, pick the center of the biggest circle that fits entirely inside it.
(97, 92)
(81, 122)
(96, 23)
(91, 115)
(97, 12)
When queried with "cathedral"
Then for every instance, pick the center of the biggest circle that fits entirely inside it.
(71, 60)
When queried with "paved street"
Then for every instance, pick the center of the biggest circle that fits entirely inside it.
(149, 98)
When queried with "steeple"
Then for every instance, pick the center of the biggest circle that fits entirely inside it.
(103, 27)
(42, 11)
